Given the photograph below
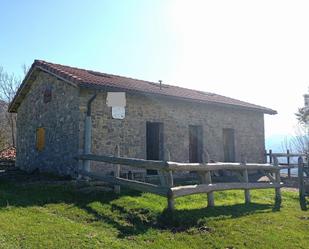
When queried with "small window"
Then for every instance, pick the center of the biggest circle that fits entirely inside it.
(154, 143)
(229, 145)
(47, 94)
(195, 143)
(40, 139)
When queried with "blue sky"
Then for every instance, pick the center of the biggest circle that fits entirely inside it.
(126, 37)
(255, 51)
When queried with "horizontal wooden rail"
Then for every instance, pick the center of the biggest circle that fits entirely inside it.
(286, 166)
(6, 161)
(206, 188)
(136, 185)
(219, 166)
(287, 155)
(174, 166)
(134, 162)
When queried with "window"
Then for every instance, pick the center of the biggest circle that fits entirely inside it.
(40, 139)
(154, 143)
(229, 145)
(195, 143)
(47, 94)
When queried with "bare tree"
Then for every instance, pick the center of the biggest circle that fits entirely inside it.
(9, 84)
(301, 139)
(287, 144)
(4, 128)
(302, 115)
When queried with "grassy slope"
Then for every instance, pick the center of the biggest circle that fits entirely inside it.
(51, 216)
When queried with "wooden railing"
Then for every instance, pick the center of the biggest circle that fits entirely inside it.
(166, 168)
(4, 162)
(303, 176)
(288, 164)
(303, 172)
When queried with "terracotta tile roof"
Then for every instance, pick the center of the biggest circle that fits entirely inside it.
(93, 79)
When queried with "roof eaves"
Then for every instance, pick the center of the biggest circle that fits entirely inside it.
(24, 82)
(71, 80)
(114, 88)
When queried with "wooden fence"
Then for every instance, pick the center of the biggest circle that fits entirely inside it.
(303, 172)
(303, 176)
(166, 169)
(6, 163)
(288, 164)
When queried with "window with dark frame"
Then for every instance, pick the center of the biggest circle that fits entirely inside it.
(195, 143)
(47, 94)
(154, 143)
(229, 145)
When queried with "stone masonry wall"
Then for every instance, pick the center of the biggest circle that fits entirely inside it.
(59, 117)
(63, 119)
(176, 117)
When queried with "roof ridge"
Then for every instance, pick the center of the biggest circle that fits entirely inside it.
(131, 78)
(114, 75)
(94, 79)
(57, 69)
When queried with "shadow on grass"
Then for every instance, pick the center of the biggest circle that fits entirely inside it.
(128, 220)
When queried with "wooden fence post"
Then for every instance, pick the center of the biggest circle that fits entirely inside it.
(168, 181)
(117, 170)
(210, 195)
(270, 156)
(288, 162)
(206, 179)
(301, 184)
(277, 178)
(246, 179)
(247, 191)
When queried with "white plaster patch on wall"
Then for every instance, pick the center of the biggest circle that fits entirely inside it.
(116, 99)
(118, 112)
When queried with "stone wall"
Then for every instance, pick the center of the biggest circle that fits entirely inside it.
(63, 118)
(176, 117)
(59, 117)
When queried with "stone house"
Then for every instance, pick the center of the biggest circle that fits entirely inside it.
(143, 118)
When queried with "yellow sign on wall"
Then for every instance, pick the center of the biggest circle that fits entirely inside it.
(40, 139)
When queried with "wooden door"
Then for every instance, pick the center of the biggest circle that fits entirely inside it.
(154, 142)
(229, 145)
(195, 144)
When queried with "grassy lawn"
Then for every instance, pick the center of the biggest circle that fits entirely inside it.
(44, 215)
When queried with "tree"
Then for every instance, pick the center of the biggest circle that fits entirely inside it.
(302, 115)
(9, 84)
(301, 139)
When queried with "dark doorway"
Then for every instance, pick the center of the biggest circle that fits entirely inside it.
(195, 143)
(154, 143)
(229, 145)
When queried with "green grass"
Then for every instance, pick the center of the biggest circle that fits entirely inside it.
(60, 216)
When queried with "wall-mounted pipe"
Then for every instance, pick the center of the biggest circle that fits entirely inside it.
(89, 104)
(88, 126)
